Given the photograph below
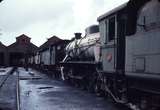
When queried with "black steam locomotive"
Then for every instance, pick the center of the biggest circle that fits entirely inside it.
(82, 56)
(123, 59)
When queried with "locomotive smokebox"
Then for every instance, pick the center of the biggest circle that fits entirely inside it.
(78, 35)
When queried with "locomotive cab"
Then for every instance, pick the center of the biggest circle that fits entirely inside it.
(112, 32)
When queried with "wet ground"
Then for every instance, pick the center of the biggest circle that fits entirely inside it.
(8, 90)
(39, 92)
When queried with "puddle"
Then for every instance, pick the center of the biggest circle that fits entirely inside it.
(2, 70)
(45, 87)
(30, 78)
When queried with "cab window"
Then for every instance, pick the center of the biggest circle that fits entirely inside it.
(111, 28)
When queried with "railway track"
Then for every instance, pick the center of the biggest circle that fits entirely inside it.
(18, 90)
(4, 83)
(6, 77)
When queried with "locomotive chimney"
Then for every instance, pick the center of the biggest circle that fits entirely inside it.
(78, 35)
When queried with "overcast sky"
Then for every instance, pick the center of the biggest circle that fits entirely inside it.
(41, 19)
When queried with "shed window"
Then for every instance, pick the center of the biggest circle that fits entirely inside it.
(111, 31)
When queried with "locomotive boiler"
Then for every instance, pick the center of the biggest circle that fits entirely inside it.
(85, 48)
(82, 55)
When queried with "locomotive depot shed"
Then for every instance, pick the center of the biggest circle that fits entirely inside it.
(12, 54)
(114, 66)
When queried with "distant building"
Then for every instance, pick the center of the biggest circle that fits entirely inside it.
(21, 49)
(22, 52)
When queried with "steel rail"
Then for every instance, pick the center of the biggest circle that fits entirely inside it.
(18, 90)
